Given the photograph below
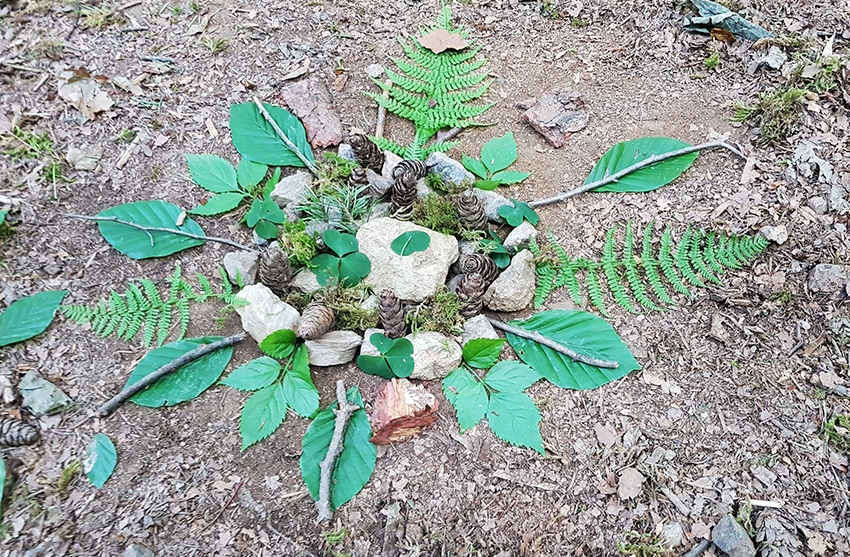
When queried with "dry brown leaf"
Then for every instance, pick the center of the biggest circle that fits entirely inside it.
(402, 410)
(606, 435)
(722, 35)
(439, 40)
(83, 93)
(630, 484)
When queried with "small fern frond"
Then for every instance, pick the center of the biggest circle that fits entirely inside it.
(545, 278)
(440, 147)
(609, 265)
(151, 319)
(388, 145)
(632, 275)
(152, 293)
(710, 252)
(594, 290)
(698, 259)
(683, 260)
(183, 313)
(665, 260)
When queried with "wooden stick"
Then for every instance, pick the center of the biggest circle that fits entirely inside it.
(540, 339)
(699, 549)
(150, 229)
(448, 134)
(170, 367)
(382, 113)
(642, 164)
(343, 414)
(307, 162)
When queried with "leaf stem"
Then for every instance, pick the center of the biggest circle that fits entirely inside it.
(343, 414)
(149, 229)
(635, 167)
(292, 147)
(538, 338)
(151, 378)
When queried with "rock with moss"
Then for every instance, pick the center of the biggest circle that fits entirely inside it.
(514, 289)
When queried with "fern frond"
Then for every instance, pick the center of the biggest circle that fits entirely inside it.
(545, 278)
(697, 257)
(151, 319)
(650, 266)
(152, 293)
(632, 276)
(609, 265)
(665, 260)
(594, 290)
(225, 281)
(710, 253)
(183, 313)
(683, 259)
(388, 145)
(441, 147)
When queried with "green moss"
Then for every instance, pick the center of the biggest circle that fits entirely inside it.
(777, 113)
(712, 61)
(21, 144)
(440, 313)
(347, 305)
(69, 474)
(439, 213)
(298, 244)
(837, 432)
(331, 200)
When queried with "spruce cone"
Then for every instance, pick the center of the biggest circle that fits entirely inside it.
(776, 535)
(392, 315)
(316, 319)
(357, 178)
(415, 167)
(14, 433)
(482, 265)
(404, 195)
(367, 153)
(470, 293)
(275, 270)
(471, 211)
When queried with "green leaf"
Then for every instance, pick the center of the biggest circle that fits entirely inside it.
(353, 268)
(487, 185)
(410, 242)
(140, 244)
(471, 405)
(254, 375)
(257, 140)
(381, 342)
(475, 166)
(582, 332)
(625, 154)
(355, 463)
(511, 376)
(527, 212)
(499, 153)
(271, 183)
(100, 460)
(482, 352)
(255, 213)
(2, 221)
(250, 173)
(509, 177)
(339, 242)
(326, 267)
(29, 316)
(279, 344)
(2, 482)
(515, 418)
(301, 394)
(212, 173)
(455, 382)
(266, 229)
(511, 214)
(217, 204)
(502, 260)
(262, 413)
(188, 381)
(395, 360)
(375, 365)
(272, 212)
(400, 357)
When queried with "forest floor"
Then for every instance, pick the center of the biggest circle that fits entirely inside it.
(728, 408)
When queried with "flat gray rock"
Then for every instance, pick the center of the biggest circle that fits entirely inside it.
(41, 396)
(514, 289)
(242, 265)
(333, 348)
(491, 201)
(829, 278)
(478, 327)
(434, 355)
(292, 189)
(265, 313)
(134, 550)
(731, 538)
(520, 236)
(305, 281)
(448, 169)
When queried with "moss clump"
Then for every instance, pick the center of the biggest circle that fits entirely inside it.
(347, 305)
(439, 213)
(439, 313)
(777, 112)
(712, 61)
(837, 432)
(298, 244)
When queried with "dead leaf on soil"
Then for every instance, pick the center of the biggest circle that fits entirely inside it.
(722, 35)
(83, 93)
(608, 486)
(717, 331)
(439, 40)
(84, 157)
(297, 69)
(402, 410)
(128, 85)
(700, 530)
(606, 435)
(630, 484)
(815, 540)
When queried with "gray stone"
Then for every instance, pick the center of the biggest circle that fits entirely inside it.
(829, 278)
(452, 284)
(434, 355)
(367, 348)
(491, 201)
(41, 396)
(448, 169)
(381, 210)
(731, 538)
(514, 289)
(672, 535)
(520, 236)
(305, 281)
(773, 59)
(777, 234)
(413, 277)
(422, 189)
(333, 348)
(380, 185)
(292, 189)
(344, 151)
(265, 313)
(390, 162)
(374, 70)
(478, 327)
(316, 230)
(371, 303)
(242, 265)
(818, 205)
(134, 550)
(292, 213)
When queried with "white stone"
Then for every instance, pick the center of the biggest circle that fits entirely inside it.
(390, 162)
(520, 236)
(333, 348)
(777, 234)
(434, 355)
(413, 277)
(367, 348)
(491, 201)
(305, 281)
(514, 289)
(292, 189)
(265, 313)
(478, 327)
(242, 265)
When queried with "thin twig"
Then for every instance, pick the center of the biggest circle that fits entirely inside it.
(292, 147)
(382, 112)
(448, 134)
(232, 497)
(343, 414)
(698, 550)
(150, 229)
(680, 506)
(22, 68)
(170, 367)
(161, 59)
(537, 337)
(642, 164)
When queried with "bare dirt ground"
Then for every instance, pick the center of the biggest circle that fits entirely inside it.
(718, 416)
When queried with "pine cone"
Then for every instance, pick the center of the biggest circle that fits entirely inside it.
(482, 265)
(415, 167)
(316, 319)
(275, 270)
(357, 178)
(14, 433)
(471, 211)
(404, 195)
(776, 535)
(392, 315)
(470, 293)
(367, 153)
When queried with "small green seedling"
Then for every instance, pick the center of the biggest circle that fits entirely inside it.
(410, 242)
(498, 396)
(347, 267)
(496, 155)
(497, 251)
(520, 211)
(396, 359)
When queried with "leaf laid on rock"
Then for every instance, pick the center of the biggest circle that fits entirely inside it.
(29, 316)
(100, 460)
(396, 358)
(410, 242)
(440, 40)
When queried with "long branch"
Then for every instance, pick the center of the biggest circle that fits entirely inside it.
(637, 166)
(170, 367)
(159, 229)
(292, 147)
(343, 414)
(537, 337)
